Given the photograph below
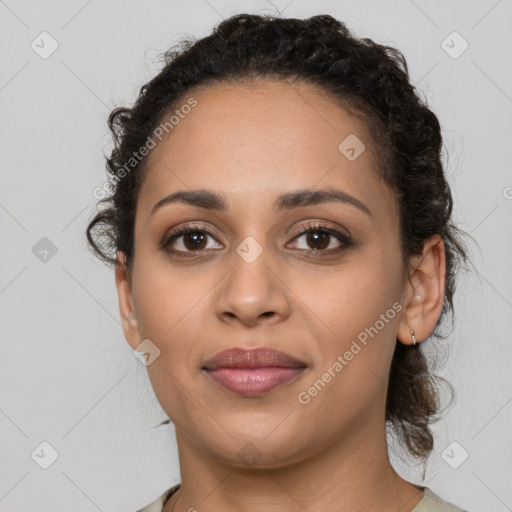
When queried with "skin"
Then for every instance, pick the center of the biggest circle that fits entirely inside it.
(252, 143)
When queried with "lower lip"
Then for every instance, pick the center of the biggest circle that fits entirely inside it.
(253, 381)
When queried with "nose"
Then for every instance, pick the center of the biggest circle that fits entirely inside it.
(253, 293)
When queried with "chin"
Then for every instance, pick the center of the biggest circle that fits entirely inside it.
(260, 445)
(257, 454)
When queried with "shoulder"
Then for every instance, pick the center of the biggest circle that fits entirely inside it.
(158, 504)
(431, 502)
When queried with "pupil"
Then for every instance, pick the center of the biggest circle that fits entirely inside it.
(314, 236)
(198, 239)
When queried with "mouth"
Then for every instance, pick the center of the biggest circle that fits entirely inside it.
(253, 372)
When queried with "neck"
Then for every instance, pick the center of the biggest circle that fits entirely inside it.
(350, 475)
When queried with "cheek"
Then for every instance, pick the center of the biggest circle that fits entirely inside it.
(162, 295)
(357, 314)
(352, 297)
(356, 310)
(164, 304)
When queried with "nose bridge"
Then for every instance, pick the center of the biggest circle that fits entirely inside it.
(252, 287)
(253, 244)
(251, 274)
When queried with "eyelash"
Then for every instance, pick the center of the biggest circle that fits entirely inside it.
(312, 228)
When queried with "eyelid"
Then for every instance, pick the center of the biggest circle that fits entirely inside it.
(183, 230)
(322, 225)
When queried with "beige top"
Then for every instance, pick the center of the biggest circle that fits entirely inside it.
(430, 502)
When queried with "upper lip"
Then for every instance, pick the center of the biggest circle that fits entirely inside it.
(253, 358)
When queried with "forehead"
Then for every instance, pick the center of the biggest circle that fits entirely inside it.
(252, 141)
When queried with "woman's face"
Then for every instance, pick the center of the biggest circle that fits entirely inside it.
(251, 276)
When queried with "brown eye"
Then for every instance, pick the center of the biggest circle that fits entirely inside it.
(319, 238)
(186, 240)
(194, 240)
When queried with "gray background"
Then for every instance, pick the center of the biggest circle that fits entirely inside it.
(67, 375)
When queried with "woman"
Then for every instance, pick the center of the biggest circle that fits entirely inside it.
(280, 225)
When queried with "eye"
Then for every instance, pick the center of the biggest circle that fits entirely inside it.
(194, 239)
(321, 236)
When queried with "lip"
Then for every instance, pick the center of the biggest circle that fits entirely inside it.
(253, 372)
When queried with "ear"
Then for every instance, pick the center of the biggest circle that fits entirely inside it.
(126, 309)
(424, 292)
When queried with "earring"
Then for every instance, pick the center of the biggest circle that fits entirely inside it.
(413, 338)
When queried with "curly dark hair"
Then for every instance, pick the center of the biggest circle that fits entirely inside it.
(369, 80)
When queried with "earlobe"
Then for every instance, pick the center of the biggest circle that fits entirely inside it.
(424, 293)
(126, 308)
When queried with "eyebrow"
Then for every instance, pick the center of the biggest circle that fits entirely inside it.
(299, 198)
